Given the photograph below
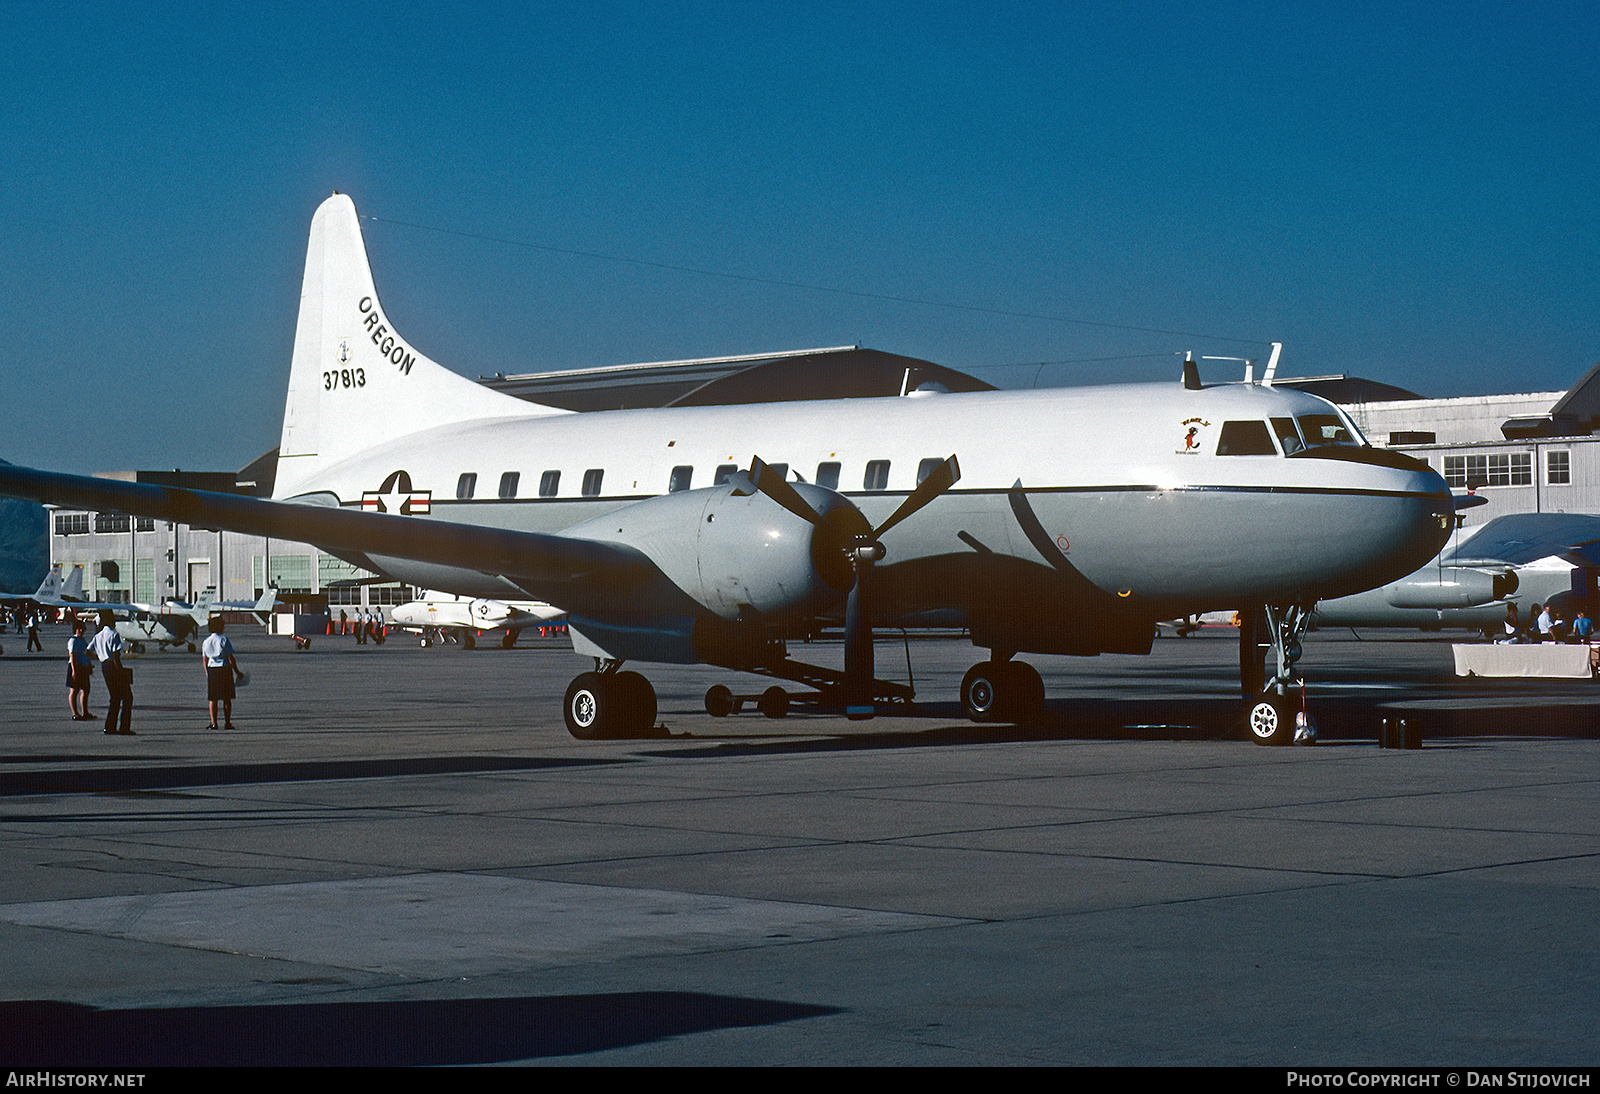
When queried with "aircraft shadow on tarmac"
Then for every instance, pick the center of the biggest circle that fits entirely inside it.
(118, 779)
(411, 1033)
(1339, 720)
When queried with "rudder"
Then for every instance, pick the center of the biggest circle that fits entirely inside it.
(354, 382)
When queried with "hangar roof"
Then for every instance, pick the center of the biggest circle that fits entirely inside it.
(1343, 388)
(839, 372)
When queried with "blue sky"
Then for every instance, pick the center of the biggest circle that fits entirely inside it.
(1405, 191)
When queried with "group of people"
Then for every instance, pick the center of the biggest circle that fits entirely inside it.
(216, 654)
(369, 625)
(1545, 625)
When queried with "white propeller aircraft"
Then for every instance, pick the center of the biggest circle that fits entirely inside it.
(173, 623)
(437, 617)
(1074, 520)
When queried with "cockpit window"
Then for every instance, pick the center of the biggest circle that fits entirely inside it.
(1322, 429)
(1288, 435)
(1245, 439)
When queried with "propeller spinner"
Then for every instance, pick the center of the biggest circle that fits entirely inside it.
(861, 550)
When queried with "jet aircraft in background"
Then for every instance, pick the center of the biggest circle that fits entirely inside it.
(1522, 558)
(50, 590)
(1072, 521)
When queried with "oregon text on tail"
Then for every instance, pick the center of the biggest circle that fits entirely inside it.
(354, 380)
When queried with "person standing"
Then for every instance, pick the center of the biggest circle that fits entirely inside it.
(79, 675)
(33, 632)
(1513, 628)
(107, 649)
(222, 668)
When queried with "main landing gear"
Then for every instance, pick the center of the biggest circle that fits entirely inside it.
(1269, 650)
(607, 704)
(1002, 690)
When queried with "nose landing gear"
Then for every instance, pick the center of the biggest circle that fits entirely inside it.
(1269, 651)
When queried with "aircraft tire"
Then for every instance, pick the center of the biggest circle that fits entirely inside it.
(508, 640)
(983, 691)
(1023, 697)
(636, 704)
(719, 701)
(469, 640)
(774, 702)
(1269, 720)
(590, 709)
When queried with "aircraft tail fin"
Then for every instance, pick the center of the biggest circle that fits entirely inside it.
(262, 612)
(72, 589)
(354, 382)
(50, 587)
(203, 602)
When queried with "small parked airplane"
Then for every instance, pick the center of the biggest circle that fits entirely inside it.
(1074, 520)
(171, 624)
(445, 618)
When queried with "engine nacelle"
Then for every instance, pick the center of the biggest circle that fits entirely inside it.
(741, 558)
(1451, 587)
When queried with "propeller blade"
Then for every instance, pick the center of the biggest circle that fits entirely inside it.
(774, 486)
(942, 479)
(859, 672)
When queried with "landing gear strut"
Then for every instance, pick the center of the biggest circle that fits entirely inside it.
(1269, 650)
(609, 704)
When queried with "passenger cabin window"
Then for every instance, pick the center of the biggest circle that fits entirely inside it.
(1245, 439)
(549, 483)
(828, 475)
(927, 467)
(877, 476)
(591, 482)
(680, 479)
(1288, 436)
(508, 484)
(725, 472)
(466, 485)
(1320, 429)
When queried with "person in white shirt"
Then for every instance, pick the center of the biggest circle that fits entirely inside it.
(78, 674)
(107, 649)
(216, 653)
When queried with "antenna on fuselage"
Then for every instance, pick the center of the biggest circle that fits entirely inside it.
(1272, 364)
(1191, 372)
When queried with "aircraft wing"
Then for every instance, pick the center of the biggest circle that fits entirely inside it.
(558, 569)
(1517, 539)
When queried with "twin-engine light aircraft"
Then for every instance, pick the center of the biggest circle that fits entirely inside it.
(438, 619)
(1056, 521)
